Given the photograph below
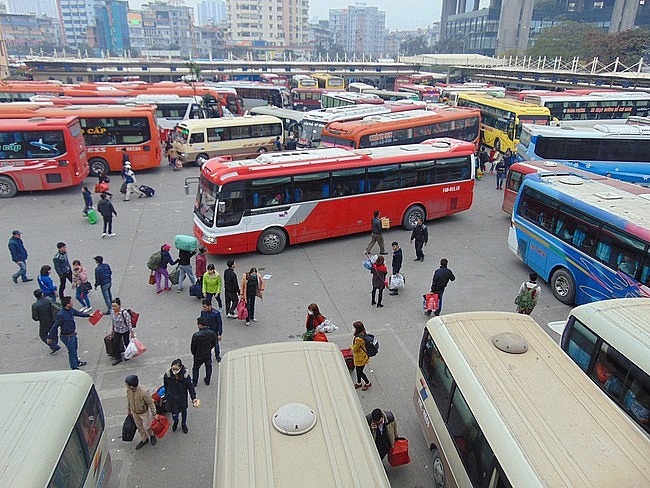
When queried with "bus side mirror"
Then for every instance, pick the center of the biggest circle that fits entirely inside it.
(189, 180)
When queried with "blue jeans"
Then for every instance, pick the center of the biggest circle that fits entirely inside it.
(71, 344)
(500, 177)
(183, 417)
(437, 312)
(185, 270)
(22, 271)
(106, 293)
(82, 297)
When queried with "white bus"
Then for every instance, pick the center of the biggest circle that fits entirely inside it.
(291, 119)
(610, 341)
(196, 141)
(502, 406)
(53, 431)
(288, 416)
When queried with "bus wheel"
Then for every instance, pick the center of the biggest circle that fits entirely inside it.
(563, 286)
(262, 150)
(411, 216)
(201, 159)
(8, 188)
(97, 165)
(438, 470)
(497, 144)
(271, 241)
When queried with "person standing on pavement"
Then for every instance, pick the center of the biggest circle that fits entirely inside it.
(501, 172)
(213, 320)
(62, 267)
(103, 279)
(161, 271)
(379, 273)
(532, 291)
(65, 321)
(383, 428)
(509, 158)
(141, 408)
(178, 385)
(81, 284)
(121, 329)
(211, 285)
(314, 317)
(441, 279)
(359, 355)
(131, 183)
(46, 284)
(483, 157)
(18, 256)
(200, 263)
(375, 235)
(420, 235)
(230, 288)
(185, 268)
(88, 200)
(203, 341)
(106, 210)
(396, 264)
(252, 287)
(44, 312)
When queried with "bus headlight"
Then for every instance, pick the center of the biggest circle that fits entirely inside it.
(209, 239)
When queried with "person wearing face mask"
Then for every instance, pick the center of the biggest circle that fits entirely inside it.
(141, 407)
(252, 287)
(178, 384)
(314, 317)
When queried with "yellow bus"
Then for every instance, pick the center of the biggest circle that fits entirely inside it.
(329, 81)
(53, 431)
(502, 406)
(501, 118)
(289, 417)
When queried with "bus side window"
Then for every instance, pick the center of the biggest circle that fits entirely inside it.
(197, 138)
(582, 345)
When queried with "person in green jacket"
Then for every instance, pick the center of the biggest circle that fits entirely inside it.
(212, 285)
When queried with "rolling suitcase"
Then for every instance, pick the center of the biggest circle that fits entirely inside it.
(147, 190)
(347, 356)
(108, 343)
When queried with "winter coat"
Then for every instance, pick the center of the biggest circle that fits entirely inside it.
(379, 273)
(250, 285)
(17, 249)
(230, 282)
(79, 277)
(203, 341)
(213, 317)
(102, 274)
(314, 321)
(88, 198)
(139, 401)
(165, 259)
(46, 285)
(359, 354)
(105, 208)
(200, 264)
(44, 311)
(441, 278)
(211, 283)
(184, 257)
(376, 225)
(389, 425)
(397, 260)
(176, 390)
(61, 263)
(420, 233)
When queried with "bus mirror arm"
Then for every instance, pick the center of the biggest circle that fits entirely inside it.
(188, 181)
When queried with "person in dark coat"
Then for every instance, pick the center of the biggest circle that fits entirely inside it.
(203, 341)
(44, 312)
(178, 384)
(214, 322)
(18, 256)
(379, 273)
(420, 235)
(441, 278)
(396, 264)
(230, 288)
(106, 210)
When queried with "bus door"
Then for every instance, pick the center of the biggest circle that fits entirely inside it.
(533, 249)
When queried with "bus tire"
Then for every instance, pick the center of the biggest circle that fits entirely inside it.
(497, 144)
(272, 241)
(98, 164)
(411, 216)
(563, 286)
(201, 159)
(8, 188)
(438, 470)
(262, 150)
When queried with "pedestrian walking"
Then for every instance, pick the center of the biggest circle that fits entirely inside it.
(291, 142)
(376, 234)
(178, 385)
(277, 144)
(62, 267)
(483, 158)
(252, 287)
(528, 295)
(420, 235)
(65, 321)
(383, 428)
(359, 355)
(441, 278)
(379, 273)
(121, 330)
(185, 268)
(161, 270)
(81, 284)
(501, 173)
(230, 288)
(494, 156)
(125, 157)
(44, 312)
(103, 280)
(141, 408)
(211, 285)
(200, 263)
(213, 320)
(396, 264)
(102, 185)
(131, 183)
(46, 284)
(18, 256)
(509, 158)
(88, 200)
(203, 341)
(106, 210)
(314, 317)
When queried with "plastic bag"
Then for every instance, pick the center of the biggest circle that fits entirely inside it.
(141, 348)
(131, 350)
(327, 326)
(128, 429)
(242, 311)
(370, 261)
(396, 281)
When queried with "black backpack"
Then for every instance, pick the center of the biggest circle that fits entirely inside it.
(372, 345)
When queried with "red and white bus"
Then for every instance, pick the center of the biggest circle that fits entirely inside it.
(274, 79)
(230, 101)
(426, 93)
(306, 99)
(409, 127)
(285, 198)
(415, 79)
(107, 129)
(41, 154)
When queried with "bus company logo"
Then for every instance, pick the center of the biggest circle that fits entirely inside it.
(13, 147)
(451, 188)
(382, 136)
(96, 131)
(13, 164)
(423, 411)
(96, 149)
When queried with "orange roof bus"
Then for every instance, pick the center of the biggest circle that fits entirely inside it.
(23, 91)
(404, 128)
(107, 129)
(41, 154)
(283, 198)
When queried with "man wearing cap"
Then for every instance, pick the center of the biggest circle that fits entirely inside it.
(129, 179)
(62, 266)
(142, 409)
(65, 320)
(103, 279)
(18, 256)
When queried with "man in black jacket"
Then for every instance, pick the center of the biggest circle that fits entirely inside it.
(441, 278)
(231, 288)
(106, 210)
(203, 341)
(396, 264)
(44, 312)
(420, 235)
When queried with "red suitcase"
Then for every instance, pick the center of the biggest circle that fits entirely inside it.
(159, 426)
(347, 355)
(399, 454)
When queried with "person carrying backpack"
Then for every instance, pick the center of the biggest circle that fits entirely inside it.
(360, 355)
(528, 295)
(160, 261)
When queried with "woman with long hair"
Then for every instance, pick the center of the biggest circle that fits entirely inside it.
(359, 355)
(379, 273)
(314, 317)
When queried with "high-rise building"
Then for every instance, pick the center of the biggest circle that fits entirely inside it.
(112, 27)
(25, 34)
(359, 29)
(160, 26)
(211, 12)
(77, 18)
(38, 7)
(269, 22)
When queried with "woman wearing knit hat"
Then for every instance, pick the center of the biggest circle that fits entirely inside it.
(161, 270)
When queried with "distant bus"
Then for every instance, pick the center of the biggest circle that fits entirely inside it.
(291, 119)
(501, 406)
(274, 79)
(254, 94)
(610, 341)
(286, 198)
(231, 100)
(303, 81)
(359, 87)
(595, 106)
(620, 150)
(404, 128)
(306, 99)
(341, 99)
(426, 93)
(24, 91)
(450, 91)
(107, 129)
(41, 154)
(56, 436)
(393, 96)
(196, 141)
(415, 79)
(268, 434)
(329, 81)
(502, 118)
(576, 233)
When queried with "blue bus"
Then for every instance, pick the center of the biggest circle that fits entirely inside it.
(621, 151)
(589, 240)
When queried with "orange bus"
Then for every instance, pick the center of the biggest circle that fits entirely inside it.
(106, 130)
(23, 91)
(409, 127)
(41, 154)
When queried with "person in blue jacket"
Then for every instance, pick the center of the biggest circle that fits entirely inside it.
(103, 279)
(65, 321)
(46, 284)
(18, 256)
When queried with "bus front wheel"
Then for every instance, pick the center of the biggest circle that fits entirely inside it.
(8, 187)
(97, 165)
(438, 470)
(201, 159)
(411, 216)
(262, 150)
(563, 286)
(271, 241)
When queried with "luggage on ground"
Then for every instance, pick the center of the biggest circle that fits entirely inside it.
(196, 290)
(399, 454)
(347, 356)
(185, 243)
(147, 190)
(174, 275)
(108, 344)
(128, 429)
(92, 216)
(159, 426)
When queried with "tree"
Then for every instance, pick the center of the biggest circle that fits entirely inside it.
(414, 45)
(568, 40)
(629, 46)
